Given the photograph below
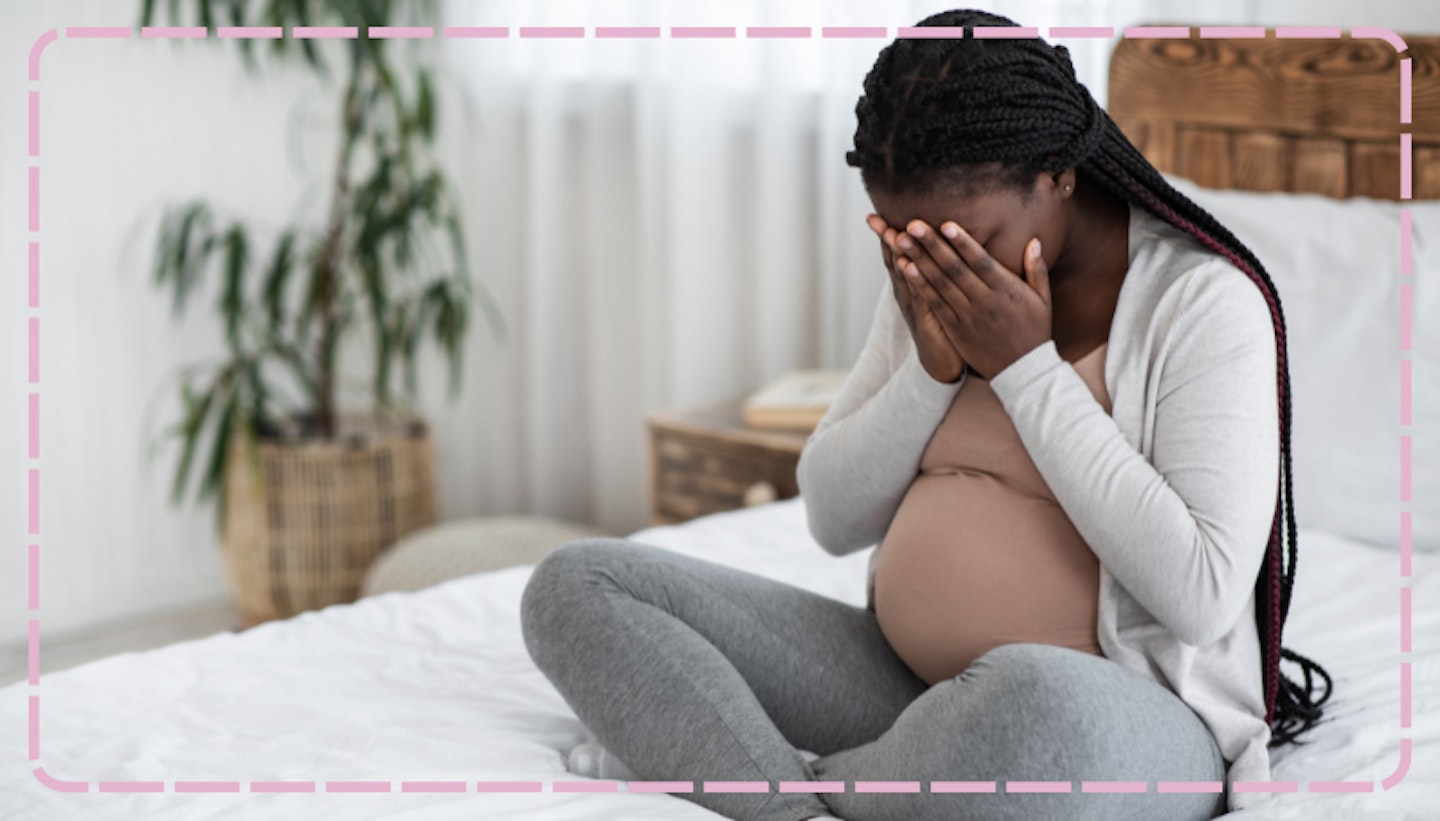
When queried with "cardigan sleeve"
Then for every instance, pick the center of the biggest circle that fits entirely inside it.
(1185, 532)
(862, 456)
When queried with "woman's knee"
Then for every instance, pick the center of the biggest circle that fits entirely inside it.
(1046, 695)
(558, 577)
(1109, 718)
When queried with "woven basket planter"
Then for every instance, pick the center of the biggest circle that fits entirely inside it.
(301, 533)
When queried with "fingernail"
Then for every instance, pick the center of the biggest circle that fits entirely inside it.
(1035, 249)
(951, 231)
(917, 230)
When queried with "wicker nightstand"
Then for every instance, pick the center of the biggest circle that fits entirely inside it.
(704, 460)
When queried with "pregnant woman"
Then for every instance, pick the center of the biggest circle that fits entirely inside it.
(1068, 437)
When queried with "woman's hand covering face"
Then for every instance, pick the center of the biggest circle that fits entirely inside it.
(991, 315)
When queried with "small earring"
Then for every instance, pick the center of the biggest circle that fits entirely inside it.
(1067, 189)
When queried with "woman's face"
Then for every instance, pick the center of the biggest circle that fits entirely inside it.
(1000, 219)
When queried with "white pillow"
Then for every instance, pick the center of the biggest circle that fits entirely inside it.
(1336, 266)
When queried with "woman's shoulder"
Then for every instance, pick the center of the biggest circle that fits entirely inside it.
(1203, 283)
(1158, 243)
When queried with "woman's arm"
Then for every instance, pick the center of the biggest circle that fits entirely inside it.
(1185, 535)
(862, 456)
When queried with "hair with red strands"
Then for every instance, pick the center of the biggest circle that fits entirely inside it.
(978, 113)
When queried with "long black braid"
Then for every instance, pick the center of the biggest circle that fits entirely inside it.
(980, 113)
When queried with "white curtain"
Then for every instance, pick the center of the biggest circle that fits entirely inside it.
(665, 222)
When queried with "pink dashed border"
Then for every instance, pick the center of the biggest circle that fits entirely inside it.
(684, 32)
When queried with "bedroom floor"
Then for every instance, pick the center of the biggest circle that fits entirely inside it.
(63, 652)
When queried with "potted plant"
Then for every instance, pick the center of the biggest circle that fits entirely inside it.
(307, 495)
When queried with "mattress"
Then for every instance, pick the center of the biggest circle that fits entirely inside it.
(402, 692)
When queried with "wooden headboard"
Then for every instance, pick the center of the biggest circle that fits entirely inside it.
(1300, 115)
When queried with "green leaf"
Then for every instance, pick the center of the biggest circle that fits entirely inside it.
(457, 240)
(274, 13)
(219, 458)
(308, 47)
(315, 288)
(252, 452)
(376, 11)
(291, 355)
(456, 360)
(167, 433)
(411, 340)
(147, 12)
(188, 260)
(392, 89)
(450, 321)
(301, 10)
(182, 253)
(258, 392)
(247, 44)
(164, 249)
(232, 302)
(374, 189)
(425, 108)
(371, 215)
(194, 420)
(277, 14)
(403, 254)
(383, 350)
(277, 276)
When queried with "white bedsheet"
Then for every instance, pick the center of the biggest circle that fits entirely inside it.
(437, 686)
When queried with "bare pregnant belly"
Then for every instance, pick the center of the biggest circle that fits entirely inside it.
(970, 563)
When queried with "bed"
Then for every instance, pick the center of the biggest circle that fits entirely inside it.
(403, 705)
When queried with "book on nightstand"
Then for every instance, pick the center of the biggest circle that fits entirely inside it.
(795, 401)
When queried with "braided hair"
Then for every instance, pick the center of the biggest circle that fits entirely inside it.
(968, 114)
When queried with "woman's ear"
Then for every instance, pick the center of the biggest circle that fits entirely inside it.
(1061, 183)
(1065, 181)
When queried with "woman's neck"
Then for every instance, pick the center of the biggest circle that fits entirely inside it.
(1098, 246)
(1092, 265)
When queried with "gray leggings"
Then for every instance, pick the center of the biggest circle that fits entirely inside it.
(689, 670)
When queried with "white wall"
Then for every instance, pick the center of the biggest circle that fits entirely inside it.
(130, 126)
